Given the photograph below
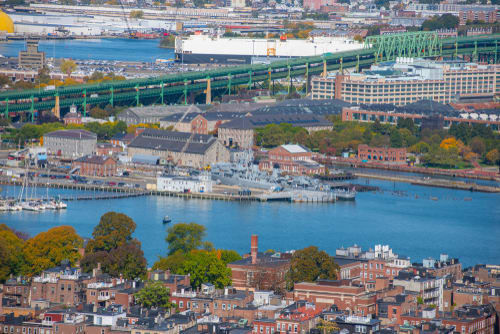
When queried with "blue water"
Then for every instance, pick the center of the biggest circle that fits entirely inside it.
(415, 227)
(120, 49)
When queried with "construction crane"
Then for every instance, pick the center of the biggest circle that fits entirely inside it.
(125, 17)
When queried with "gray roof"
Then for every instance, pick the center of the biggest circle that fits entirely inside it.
(209, 116)
(173, 141)
(261, 120)
(158, 111)
(72, 134)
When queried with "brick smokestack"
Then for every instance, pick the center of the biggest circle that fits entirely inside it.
(254, 248)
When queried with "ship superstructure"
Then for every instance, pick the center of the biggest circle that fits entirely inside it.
(200, 48)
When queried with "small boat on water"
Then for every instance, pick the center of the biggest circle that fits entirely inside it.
(15, 206)
(166, 220)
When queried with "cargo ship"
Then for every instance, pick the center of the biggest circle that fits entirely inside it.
(203, 49)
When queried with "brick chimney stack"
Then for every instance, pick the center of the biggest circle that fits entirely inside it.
(254, 248)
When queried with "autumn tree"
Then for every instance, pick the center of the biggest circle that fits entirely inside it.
(12, 261)
(48, 249)
(68, 66)
(493, 156)
(310, 264)
(204, 266)
(185, 237)
(114, 248)
(154, 294)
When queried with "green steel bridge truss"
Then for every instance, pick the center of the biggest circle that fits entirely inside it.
(139, 91)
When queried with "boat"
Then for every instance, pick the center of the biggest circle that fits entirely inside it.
(166, 220)
(15, 206)
(345, 195)
(60, 204)
(203, 48)
(30, 206)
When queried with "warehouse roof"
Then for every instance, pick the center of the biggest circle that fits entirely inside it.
(209, 116)
(72, 134)
(261, 120)
(160, 140)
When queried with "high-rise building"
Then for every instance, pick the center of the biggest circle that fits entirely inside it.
(31, 58)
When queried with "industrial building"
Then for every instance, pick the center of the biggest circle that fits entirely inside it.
(408, 80)
(70, 143)
(181, 148)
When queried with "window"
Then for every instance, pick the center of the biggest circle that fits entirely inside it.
(62, 287)
(267, 330)
(279, 327)
(295, 328)
(6, 329)
(255, 329)
(261, 329)
(102, 331)
(181, 304)
(289, 327)
(69, 287)
(224, 307)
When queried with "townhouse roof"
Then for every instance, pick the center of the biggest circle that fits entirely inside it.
(72, 134)
(295, 148)
(160, 140)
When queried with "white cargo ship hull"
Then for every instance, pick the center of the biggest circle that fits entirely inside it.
(207, 49)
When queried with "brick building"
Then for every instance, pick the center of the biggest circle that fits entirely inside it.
(70, 143)
(300, 317)
(466, 319)
(260, 271)
(60, 285)
(385, 154)
(354, 299)
(202, 123)
(16, 293)
(95, 165)
(291, 159)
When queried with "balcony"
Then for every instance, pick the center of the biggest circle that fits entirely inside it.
(103, 298)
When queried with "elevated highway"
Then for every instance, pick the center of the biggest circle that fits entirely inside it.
(156, 90)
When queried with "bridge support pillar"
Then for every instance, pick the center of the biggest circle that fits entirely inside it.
(84, 103)
(324, 69)
(249, 79)
(307, 78)
(32, 109)
(185, 91)
(6, 109)
(57, 107)
(137, 102)
(112, 96)
(289, 79)
(208, 92)
(229, 84)
(162, 90)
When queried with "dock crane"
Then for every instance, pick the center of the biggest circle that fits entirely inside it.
(125, 18)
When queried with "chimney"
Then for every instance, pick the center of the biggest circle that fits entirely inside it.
(254, 248)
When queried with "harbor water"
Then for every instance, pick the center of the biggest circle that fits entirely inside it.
(119, 49)
(415, 221)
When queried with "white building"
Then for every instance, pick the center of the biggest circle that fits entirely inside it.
(174, 183)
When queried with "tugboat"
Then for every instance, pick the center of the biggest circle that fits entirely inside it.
(166, 220)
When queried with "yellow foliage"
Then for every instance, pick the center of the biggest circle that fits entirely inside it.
(131, 128)
(470, 156)
(448, 143)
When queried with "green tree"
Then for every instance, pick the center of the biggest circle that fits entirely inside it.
(12, 260)
(446, 21)
(68, 66)
(310, 264)
(114, 230)
(185, 237)
(203, 267)
(396, 138)
(477, 145)
(367, 136)
(228, 256)
(172, 262)
(48, 249)
(154, 294)
(44, 75)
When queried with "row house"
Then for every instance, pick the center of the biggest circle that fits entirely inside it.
(16, 293)
(60, 285)
(300, 317)
(429, 288)
(172, 281)
(23, 325)
(391, 308)
(467, 319)
(325, 293)
(117, 291)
